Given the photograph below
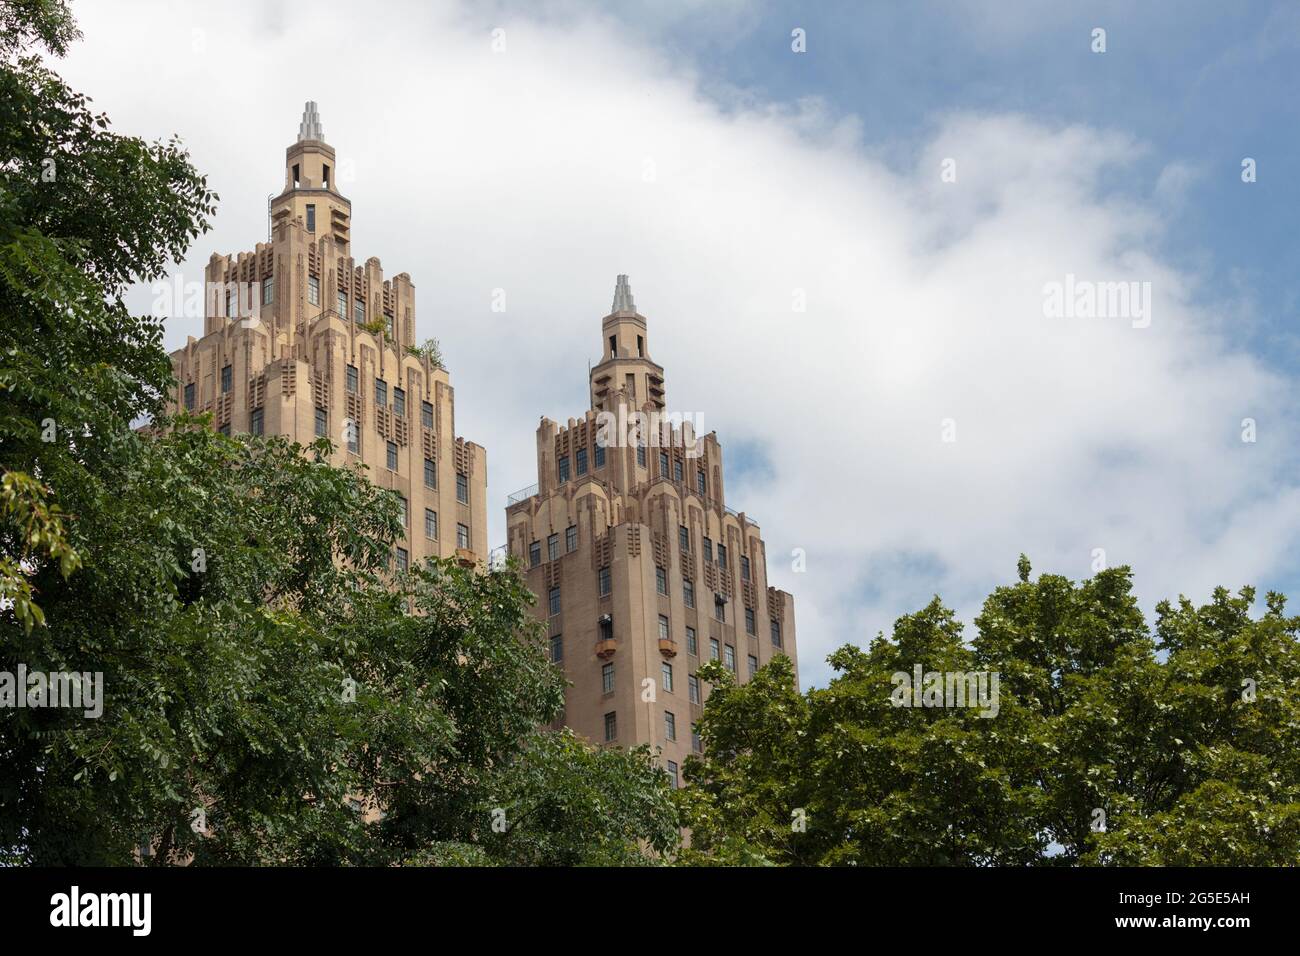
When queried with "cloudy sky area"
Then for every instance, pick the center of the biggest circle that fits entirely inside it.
(687, 145)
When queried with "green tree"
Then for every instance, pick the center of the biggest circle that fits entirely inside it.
(1110, 744)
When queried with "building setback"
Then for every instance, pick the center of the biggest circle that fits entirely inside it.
(293, 345)
(640, 569)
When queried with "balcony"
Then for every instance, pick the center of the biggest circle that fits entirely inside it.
(466, 558)
(667, 648)
(605, 648)
(523, 494)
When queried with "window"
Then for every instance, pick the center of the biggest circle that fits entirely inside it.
(388, 324)
(581, 455)
(670, 730)
(640, 455)
(426, 414)
(352, 379)
(462, 488)
(534, 554)
(552, 547)
(563, 468)
(231, 303)
(256, 424)
(401, 510)
(613, 346)
(753, 666)
(611, 726)
(696, 744)
(691, 646)
(225, 429)
(722, 555)
(693, 688)
(353, 431)
(311, 217)
(713, 648)
(571, 539)
(776, 633)
(708, 549)
(661, 580)
(744, 568)
(343, 306)
(399, 401)
(665, 632)
(392, 456)
(226, 379)
(688, 592)
(749, 620)
(359, 312)
(430, 474)
(663, 463)
(555, 601)
(699, 482)
(430, 523)
(189, 396)
(683, 538)
(268, 290)
(462, 536)
(602, 578)
(719, 608)
(729, 658)
(313, 290)
(403, 559)
(607, 678)
(666, 676)
(640, 346)
(557, 649)
(677, 469)
(381, 392)
(600, 456)
(322, 423)
(672, 772)
(606, 628)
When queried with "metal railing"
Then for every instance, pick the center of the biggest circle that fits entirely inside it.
(523, 494)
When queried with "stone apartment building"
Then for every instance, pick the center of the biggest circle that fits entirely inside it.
(301, 340)
(641, 570)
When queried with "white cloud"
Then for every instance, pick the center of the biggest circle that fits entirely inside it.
(525, 170)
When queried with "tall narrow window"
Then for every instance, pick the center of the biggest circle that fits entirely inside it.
(227, 379)
(557, 648)
(602, 579)
(611, 727)
(257, 423)
(359, 312)
(403, 559)
(753, 666)
(607, 678)
(325, 176)
(744, 568)
(661, 580)
(683, 538)
(392, 456)
(552, 547)
(562, 468)
(688, 592)
(699, 481)
(571, 539)
(322, 423)
(352, 379)
(581, 456)
(613, 346)
(714, 647)
(430, 474)
(534, 554)
(749, 620)
(776, 633)
(311, 217)
(189, 396)
(640, 346)
(430, 523)
(666, 676)
(268, 290)
(665, 630)
(600, 456)
(720, 608)
(313, 290)
(729, 658)
(353, 432)
(692, 647)
(381, 392)
(693, 688)
(343, 306)
(677, 469)
(426, 414)
(462, 488)
(708, 549)
(399, 401)
(462, 536)
(555, 601)
(722, 555)
(640, 455)
(670, 729)
(672, 769)
(401, 510)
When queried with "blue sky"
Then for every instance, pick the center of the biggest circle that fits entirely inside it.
(686, 144)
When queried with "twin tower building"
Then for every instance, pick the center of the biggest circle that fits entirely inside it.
(640, 569)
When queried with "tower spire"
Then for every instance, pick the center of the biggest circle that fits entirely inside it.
(622, 296)
(309, 128)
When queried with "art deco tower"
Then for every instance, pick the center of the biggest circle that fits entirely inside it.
(640, 569)
(302, 341)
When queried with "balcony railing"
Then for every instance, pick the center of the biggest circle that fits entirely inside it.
(523, 494)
